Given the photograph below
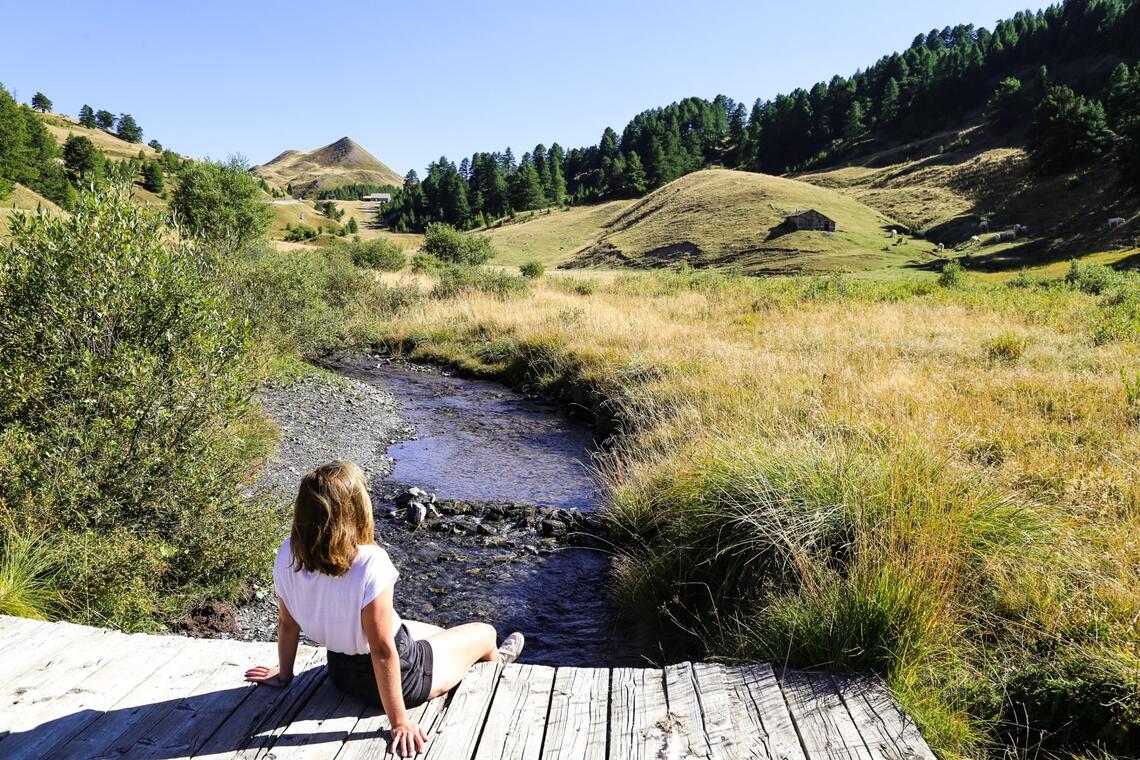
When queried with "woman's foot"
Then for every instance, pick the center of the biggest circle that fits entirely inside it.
(511, 648)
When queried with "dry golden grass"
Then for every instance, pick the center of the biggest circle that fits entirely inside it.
(551, 236)
(729, 375)
(721, 218)
(62, 126)
(23, 199)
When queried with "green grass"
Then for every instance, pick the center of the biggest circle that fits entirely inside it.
(29, 575)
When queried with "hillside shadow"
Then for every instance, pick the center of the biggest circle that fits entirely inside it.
(219, 722)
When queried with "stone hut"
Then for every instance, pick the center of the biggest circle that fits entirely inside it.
(810, 220)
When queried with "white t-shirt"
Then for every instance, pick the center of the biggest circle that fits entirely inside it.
(327, 607)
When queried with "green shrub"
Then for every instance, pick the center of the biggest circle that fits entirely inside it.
(574, 285)
(220, 204)
(377, 254)
(1006, 347)
(310, 301)
(1091, 278)
(952, 276)
(425, 262)
(834, 287)
(1081, 697)
(122, 391)
(532, 269)
(453, 247)
(1024, 280)
(457, 280)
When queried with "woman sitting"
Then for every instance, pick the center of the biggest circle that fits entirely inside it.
(336, 584)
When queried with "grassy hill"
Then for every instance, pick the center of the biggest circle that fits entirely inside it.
(719, 217)
(947, 183)
(340, 163)
(62, 126)
(23, 199)
(552, 236)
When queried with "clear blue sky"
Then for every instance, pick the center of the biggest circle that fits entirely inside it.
(413, 80)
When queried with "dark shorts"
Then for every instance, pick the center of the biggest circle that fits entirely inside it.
(353, 673)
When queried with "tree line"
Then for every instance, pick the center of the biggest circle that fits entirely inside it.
(943, 78)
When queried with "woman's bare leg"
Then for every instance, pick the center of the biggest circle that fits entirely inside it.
(456, 649)
(422, 630)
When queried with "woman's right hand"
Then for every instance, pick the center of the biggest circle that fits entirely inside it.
(408, 738)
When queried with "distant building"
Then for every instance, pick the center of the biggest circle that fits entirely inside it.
(810, 220)
(377, 198)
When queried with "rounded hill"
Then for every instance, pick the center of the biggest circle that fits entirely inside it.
(720, 217)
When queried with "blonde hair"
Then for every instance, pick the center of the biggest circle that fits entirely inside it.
(331, 517)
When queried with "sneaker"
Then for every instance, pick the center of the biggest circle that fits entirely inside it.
(511, 648)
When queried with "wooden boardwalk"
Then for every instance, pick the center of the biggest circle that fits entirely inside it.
(69, 691)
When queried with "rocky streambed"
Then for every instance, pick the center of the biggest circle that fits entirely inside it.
(512, 537)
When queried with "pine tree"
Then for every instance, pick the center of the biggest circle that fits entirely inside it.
(635, 181)
(152, 177)
(104, 120)
(854, 125)
(526, 188)
(156, 145)
(889, 108)
(736, 124)
(1007, 105)
(41, 102)
(83, 160)
(556, 187)
(87, 117)
(127, 129)
(1067, 129)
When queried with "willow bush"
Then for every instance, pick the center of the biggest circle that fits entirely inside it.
(123, 396)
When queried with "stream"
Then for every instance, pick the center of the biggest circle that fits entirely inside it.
(491, 454)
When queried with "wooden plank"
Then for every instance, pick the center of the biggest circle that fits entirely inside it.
(640, 725)
(243, 717)
(579, 715)
(463, 719)
(369, 738)
(319, 730)
(716, 710)
(516, 721)
(685, 710)
(38, 653)
(153, 703)
(824, 726)
(17, 629)
(760, 718)
(885, 727)
(55, 710)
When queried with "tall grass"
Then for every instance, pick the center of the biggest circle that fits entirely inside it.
(937, 484)
(29, 577)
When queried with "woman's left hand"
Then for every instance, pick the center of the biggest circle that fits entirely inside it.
(266, 675)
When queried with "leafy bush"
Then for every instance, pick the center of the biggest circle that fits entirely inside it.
(425, 262)
(220, 204)
(377, 254)
(453, 247)
(309, 301)
(532, 269)
(123, 380)
(457, 280)
(1091, 278)
(952, 276)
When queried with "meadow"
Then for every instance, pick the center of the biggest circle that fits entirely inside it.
(934, 481)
